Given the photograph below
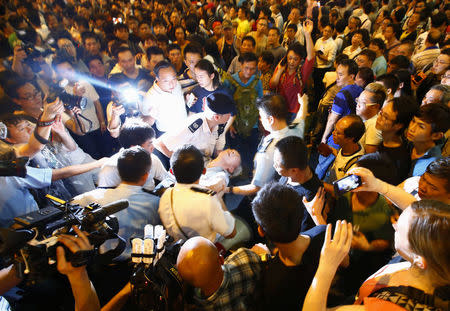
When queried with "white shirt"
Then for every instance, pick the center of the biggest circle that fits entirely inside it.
(329, 50)
(347, 51)
(264, 170)
(109, 177)
(195, 131)
(372, 136)
(198, 214)
(341, 161)
(411, 185)
(168, 109)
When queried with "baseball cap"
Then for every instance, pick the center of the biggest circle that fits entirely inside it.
(227, 24)
(220, 104)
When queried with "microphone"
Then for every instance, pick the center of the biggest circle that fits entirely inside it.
(101, 213)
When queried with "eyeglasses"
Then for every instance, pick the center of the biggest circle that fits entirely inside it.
(31, 97)
(358, 101)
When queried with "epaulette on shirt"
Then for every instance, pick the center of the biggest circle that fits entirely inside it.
(195, 125)
(204, 190)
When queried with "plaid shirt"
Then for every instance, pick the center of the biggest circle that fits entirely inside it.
(241, 270)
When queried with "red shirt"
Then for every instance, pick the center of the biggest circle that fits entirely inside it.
(291, 85)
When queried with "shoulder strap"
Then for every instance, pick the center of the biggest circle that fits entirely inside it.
(330, 86)
(351, 162)
(411, 298)
(174, 216)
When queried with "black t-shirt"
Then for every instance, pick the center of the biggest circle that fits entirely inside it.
(143, 81)
(400, 156)
(228, 53)
(285, 288)
(307, 190)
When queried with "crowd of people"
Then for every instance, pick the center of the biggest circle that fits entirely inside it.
(231, 123)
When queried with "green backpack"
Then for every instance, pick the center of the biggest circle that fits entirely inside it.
(245, 99)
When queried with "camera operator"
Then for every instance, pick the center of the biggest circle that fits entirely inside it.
(91, 117)
(83, 291)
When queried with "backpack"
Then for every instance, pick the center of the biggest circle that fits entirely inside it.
(245, 98)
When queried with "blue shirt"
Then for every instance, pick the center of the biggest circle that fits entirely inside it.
(340, 105)
(15, 199)
(418, 166)
(259, 87)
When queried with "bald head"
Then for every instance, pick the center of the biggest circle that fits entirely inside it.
(199, 263)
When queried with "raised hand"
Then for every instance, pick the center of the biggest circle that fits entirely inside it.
(334, 251)
(308, 26)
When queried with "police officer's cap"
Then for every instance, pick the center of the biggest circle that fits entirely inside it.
(221, 104)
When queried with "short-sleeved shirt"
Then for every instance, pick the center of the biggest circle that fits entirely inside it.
(168, 109)
(197, 213)
(109, 177)
(307, 190)
(264, 171)
(143, 78)
(372, 136)
(285, 287)
(290, 85)
(401, 158)
(15, 199)
(142, 209)
(418, 166)
(241, 271)
(411, 185)
(340, 105)
(202, 94)
(195, 131)
(342, 164)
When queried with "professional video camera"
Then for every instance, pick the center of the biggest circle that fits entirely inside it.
(70, 101)
(156, 284)
(31, 241)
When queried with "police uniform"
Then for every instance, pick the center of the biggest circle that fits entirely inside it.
(264, 170)
(189, 210)
(196, 132)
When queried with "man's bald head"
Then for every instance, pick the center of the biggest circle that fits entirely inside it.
(199, 263)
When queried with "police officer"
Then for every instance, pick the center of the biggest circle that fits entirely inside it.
(204, 130)
(189, 210)
(273, 114)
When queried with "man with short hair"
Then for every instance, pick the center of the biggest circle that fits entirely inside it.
(133, 165)
(424, 130)
(365, 58)
(391, 84)
(430, 52)
(175, 58)
(347, 134)
(368, 104)
(260, 35)
(189, 210)
(290, 160)
(379, 65)
(273, 114)
(274, 46)
(92, 45)
(164, 103)
(438, 93)
(220, 285)
(122, 34)
(153, 56)
(204, 130)
(248, 45)
(66, 45)
(134, 132)
(278, 211)
(187, 79)
(136, 77)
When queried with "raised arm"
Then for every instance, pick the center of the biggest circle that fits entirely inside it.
(397, 195)
(308, 27)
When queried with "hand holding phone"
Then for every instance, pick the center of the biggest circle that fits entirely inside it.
(346, 184)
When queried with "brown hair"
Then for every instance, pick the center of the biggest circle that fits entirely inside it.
(428, 236)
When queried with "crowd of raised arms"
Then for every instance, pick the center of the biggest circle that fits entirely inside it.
(298, 149)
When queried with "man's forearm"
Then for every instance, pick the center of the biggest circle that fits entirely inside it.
(397, 195)
(246, 189)
(74, 170)
(163, 149)
(34, 146)
(331, 121)
(84, 292)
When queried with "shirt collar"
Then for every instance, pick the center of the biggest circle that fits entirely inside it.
(279, 133)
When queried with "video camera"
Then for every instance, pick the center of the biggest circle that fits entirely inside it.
(70, 101)
(31, 241)
(156, 284)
